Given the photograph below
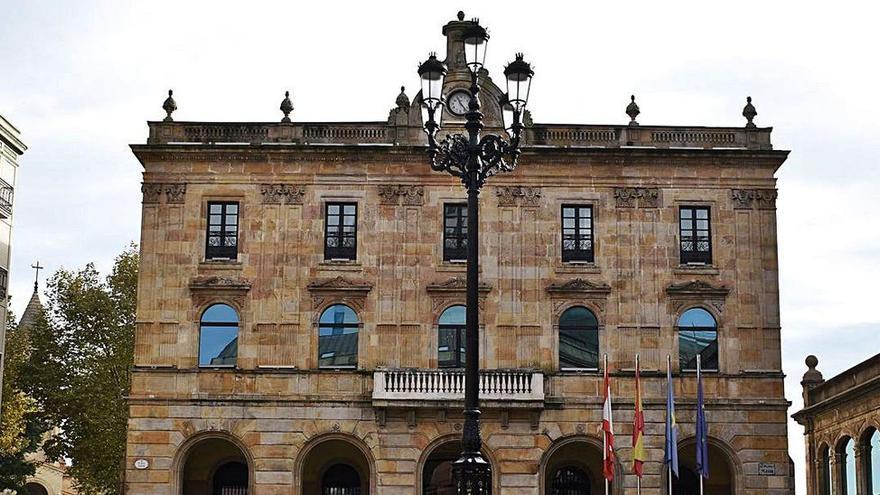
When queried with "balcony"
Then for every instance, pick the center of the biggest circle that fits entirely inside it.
(429, 387)
(6, 192)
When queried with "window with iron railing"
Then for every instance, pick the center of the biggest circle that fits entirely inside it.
(4, 279)
(6, 193)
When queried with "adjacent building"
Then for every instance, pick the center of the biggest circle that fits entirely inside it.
(841, 420)
(301, 291)
(11, 147)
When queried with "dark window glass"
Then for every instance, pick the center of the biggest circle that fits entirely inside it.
(222, 238)
(338, 337)
(697, 334)
(578, 339)
(696, 234)
(340, 231)
(454, 231)
(577, 233)
(570, 480)
(450, 341)
(218, 336)
(341, 479)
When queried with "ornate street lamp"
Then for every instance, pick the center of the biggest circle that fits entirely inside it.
(473, 159)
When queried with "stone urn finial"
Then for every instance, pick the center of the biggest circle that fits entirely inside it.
(286, 107)
(633, 110)
(460, 15)
(749, 112)
(402, 100)
(812, 377)
(169, 106)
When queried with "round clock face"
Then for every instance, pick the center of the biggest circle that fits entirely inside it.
(458, 103)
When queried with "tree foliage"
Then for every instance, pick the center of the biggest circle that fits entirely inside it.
(21, 425)
(78, 371)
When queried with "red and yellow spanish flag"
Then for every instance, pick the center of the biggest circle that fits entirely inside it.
(638, 433)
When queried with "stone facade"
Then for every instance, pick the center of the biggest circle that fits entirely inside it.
(841, 419)
(394, 417)
(11, 148)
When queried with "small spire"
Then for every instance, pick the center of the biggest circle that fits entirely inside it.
(633, 110)
(169, 106)
(749, 112)
(402, 100)
(286, 107)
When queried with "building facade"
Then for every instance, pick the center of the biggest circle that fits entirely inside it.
(11, 147)
(841, 420)
(301, 291)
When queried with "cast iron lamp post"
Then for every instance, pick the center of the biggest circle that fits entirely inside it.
(473, 159)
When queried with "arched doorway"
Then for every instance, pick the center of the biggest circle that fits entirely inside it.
(721, 479)
(437, 469)
(335, 466)
(573, 466)
(36, 489)
(214, 466)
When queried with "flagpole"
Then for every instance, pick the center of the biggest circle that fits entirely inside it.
(699, 377)
(605, 435)
(668, 384)
(638, 398)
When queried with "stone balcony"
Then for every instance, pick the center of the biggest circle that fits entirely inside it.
(387, 133)
(432, 387)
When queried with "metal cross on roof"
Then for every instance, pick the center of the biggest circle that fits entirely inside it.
(36, 266)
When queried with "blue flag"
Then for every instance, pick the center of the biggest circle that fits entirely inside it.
(670, 455)
(702, 431)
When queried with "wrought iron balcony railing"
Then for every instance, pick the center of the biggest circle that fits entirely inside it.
(6, 193)
(448, 384)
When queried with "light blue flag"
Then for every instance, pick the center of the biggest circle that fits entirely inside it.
(671, 454)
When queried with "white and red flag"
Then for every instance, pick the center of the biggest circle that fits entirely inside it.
(608, 430)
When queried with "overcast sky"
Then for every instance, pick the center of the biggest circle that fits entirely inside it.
(80, 80)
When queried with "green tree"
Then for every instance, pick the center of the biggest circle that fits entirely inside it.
(21, 424)
(78, 371)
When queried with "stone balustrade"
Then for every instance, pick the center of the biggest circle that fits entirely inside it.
(537, 135)
(448, 384)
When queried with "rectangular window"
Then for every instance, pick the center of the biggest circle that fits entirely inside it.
(696, 238)
(340, 232)
(455, 232)
(222, 238)
(577, 233)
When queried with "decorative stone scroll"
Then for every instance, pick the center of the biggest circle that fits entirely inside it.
(207, 287)
(339, 289)
(696, 291)
(174, 193)
(282, 194)
(747, 199)
(519, 196)
(565, 293)
(453, 290)
(412, 195)
(637, 197)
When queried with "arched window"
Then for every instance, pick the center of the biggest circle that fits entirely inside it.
(218, 336)
(825, 478)
(570, 480)
(35, 489)
(871, 451)
(341, 479)
(697, 335)
(450, 340)
(846, 468)
(338, 337)
(578, 339)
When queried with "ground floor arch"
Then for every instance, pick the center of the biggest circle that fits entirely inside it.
(436, 467)
(214, 464)
(722, 470)
(34, 488)
(336, 465)
(573, 466)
